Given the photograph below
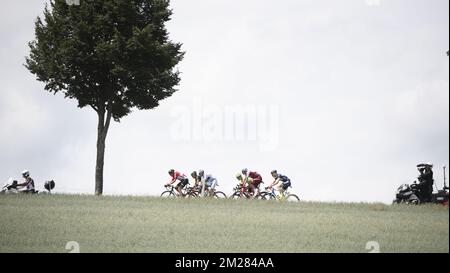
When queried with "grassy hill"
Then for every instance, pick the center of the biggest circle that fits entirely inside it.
(144, 224)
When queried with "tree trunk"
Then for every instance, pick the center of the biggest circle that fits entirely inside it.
(102, 132)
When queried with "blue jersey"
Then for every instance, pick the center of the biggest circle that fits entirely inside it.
(284, 179)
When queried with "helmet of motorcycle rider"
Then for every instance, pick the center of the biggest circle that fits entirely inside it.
(26, 173)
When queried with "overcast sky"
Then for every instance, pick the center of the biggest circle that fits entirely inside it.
(348, 97)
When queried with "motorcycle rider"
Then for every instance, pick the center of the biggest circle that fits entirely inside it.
(426, 181)
(28, 184)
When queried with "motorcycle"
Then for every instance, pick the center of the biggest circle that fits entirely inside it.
(411, 193)
(11, 187)
(408, 194)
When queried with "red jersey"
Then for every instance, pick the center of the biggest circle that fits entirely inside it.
(178, 176)
(255, 176)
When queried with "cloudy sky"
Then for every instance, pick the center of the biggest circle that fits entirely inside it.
(344, 97)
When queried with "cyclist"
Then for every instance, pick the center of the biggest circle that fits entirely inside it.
(204, 182)
(182, 181)
(281, 182)
(197, 180)
(256, 181)
(243, 182)
(208, 182)
(28, 184)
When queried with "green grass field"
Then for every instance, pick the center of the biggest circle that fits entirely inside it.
(143, 224)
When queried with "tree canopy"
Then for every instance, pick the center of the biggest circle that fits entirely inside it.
(112, 55)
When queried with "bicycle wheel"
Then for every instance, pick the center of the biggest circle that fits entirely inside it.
(168, 194)
(265, 196)
(192, 194)
(236, 195)
(292, 198)
(219, 195)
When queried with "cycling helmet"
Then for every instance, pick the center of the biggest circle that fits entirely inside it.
(201, 173)
(244, 171)
(171, 171)
(194, 174)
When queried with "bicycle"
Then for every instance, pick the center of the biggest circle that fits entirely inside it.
(171, 192)
(243, 192)
(216, 194)
(196, 190)
(285, 196)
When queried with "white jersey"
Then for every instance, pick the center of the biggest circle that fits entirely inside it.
(209, 180)
(30, 183)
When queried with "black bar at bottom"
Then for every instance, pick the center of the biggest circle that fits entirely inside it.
(184, 262)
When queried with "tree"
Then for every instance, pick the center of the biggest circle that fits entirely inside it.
(110, 55)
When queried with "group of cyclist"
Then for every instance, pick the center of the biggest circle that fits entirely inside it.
(249, 181)
(207, 183)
